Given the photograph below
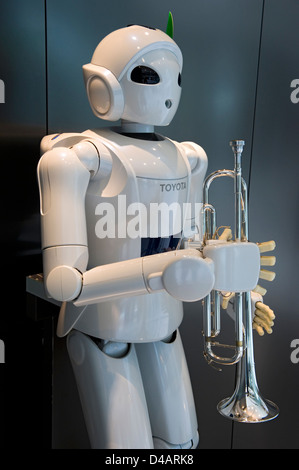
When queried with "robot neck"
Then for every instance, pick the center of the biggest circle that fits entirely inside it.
(128, 127)
(139, 131)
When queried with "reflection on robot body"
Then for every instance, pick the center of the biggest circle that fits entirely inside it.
(122, 294)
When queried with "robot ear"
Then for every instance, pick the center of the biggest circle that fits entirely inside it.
(104, 92)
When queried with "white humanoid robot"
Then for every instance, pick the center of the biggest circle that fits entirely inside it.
(120, 271)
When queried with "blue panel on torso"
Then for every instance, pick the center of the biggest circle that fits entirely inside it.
(152, 246)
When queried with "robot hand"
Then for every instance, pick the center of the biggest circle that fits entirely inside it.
(263, 318)
(263, 315)
(266, 261)
(237, 264)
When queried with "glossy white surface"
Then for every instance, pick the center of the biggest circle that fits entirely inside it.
(128, 44)
(112, 396)
(237, 265)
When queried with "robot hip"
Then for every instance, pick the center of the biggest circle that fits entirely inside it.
(143, 318)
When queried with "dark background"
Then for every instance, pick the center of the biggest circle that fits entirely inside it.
(240, 57)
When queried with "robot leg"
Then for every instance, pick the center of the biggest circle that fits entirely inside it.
(111, 393)
(169, 394)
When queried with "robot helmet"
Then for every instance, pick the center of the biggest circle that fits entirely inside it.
(123, 69)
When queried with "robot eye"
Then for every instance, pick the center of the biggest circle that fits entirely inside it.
(180, 80)
(145, 75)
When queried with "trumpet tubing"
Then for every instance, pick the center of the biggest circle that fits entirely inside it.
(211, 309)
(246, 404)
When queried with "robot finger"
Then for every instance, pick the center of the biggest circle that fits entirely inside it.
(258, 329)
(258, 321)
(266, 310)
(266, 246)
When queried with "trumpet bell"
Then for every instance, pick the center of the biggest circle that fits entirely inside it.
(248, 409)
(247, 405)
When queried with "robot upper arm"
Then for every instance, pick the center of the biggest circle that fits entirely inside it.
(63, 181)
(64, 174)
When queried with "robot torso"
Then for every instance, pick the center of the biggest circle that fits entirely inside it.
(139, 209)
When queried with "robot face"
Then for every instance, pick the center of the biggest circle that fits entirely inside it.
(152, 88)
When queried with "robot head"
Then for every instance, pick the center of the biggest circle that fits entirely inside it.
(135, 75)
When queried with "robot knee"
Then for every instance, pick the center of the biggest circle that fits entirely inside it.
(161, 444)
(114, 349)
(171, 338)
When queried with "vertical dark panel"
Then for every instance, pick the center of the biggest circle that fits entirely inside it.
(22, 124)
(274, 197)
(22, 119)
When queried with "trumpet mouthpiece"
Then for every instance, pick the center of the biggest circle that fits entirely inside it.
(237, 145)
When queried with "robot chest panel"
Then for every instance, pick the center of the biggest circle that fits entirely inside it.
(162, 187)
(148, 189)
(161, 206)
(160, 159)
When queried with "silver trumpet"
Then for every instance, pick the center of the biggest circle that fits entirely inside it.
(246, 404)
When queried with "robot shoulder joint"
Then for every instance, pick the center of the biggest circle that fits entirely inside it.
(60, 160)
(196, 155)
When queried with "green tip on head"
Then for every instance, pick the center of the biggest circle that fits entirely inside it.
(169, 29)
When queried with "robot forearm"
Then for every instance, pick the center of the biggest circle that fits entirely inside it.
(184, 274)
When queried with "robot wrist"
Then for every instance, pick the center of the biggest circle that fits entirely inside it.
(184, 274)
